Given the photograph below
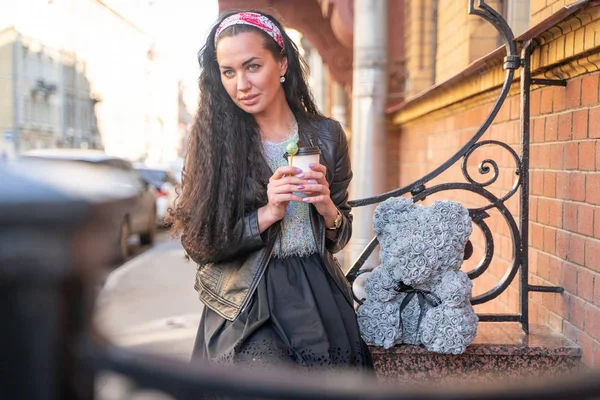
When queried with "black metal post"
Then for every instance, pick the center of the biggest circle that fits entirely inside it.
(547, 82)
(546, 289)
(526, 82)
(54, 224)
(524, 206)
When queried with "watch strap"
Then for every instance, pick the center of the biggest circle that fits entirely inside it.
(337, 222)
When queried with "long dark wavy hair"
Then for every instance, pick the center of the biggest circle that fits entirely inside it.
(224, 157)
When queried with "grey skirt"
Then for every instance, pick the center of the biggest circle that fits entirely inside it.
(297, 315)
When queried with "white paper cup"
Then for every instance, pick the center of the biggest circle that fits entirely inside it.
(306, 156)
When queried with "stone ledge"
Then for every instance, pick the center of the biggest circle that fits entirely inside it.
(501, 350)
(505, 338)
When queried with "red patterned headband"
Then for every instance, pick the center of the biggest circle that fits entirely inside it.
(253, 19)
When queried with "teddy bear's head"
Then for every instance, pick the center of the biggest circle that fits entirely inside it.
(419, 243)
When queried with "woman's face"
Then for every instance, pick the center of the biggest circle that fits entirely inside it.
(249, 72)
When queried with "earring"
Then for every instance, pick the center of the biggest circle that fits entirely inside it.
(282, 79)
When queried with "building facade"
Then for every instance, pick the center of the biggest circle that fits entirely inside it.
(46, 98)
(97, 82)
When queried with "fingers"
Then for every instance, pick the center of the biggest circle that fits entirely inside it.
(317, 176)
(289, 180)
(285, 188)
(284, 171)
(316, 199)
(318, 167)
(314, 189)
(278, 198)
(309, 187)
(289, 184)
(282, 190)
(317, 172)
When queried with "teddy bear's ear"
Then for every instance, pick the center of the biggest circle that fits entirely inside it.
(468, 250)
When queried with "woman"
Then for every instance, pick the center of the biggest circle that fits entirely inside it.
(263, 232)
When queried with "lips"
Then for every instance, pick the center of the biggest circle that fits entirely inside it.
(249, 100)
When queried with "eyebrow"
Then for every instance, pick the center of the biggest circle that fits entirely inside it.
(248, 61)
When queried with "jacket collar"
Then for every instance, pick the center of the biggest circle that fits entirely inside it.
(306, 133)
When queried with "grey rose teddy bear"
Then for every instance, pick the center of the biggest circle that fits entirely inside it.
(418, 295)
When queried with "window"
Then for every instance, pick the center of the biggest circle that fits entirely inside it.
(516, 13)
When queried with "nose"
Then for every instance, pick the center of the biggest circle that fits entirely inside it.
(243, 84)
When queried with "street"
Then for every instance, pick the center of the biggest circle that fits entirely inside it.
(149, 304)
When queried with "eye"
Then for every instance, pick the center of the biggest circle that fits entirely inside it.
(228, 73)
(253, 67)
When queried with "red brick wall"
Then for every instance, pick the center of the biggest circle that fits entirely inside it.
(564, 200)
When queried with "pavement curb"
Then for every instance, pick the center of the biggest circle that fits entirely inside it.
(112, 280)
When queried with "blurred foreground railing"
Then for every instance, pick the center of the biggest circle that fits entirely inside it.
(184, 381)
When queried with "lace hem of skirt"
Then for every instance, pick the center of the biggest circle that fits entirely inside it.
(266, 353)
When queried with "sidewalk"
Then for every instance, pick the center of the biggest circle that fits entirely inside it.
(148, 305)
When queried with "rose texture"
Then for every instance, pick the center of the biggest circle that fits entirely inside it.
(449, 330)
(380, 285)
(454, 289)
(378, 323)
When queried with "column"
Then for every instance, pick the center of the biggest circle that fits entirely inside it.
(368, 118)
(339, 103)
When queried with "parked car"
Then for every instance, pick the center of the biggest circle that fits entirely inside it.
(166, 185)
(140, 218)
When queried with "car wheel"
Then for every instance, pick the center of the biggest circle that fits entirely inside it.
(148, 236)
(123, 248)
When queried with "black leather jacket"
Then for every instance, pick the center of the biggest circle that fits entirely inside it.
(226, 283)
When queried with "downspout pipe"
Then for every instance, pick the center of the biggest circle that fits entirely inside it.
(369, 99)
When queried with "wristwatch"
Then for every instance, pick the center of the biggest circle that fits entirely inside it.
(337, 222)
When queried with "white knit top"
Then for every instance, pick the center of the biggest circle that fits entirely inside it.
(296, 238)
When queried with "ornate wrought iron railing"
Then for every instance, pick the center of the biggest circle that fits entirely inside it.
(519, 231)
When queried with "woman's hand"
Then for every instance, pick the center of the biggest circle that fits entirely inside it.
(280, 191)
(316, 188)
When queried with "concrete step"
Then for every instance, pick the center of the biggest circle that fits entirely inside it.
(501, 350)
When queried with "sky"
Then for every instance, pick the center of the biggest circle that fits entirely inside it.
(177, 27)
(185, 31)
